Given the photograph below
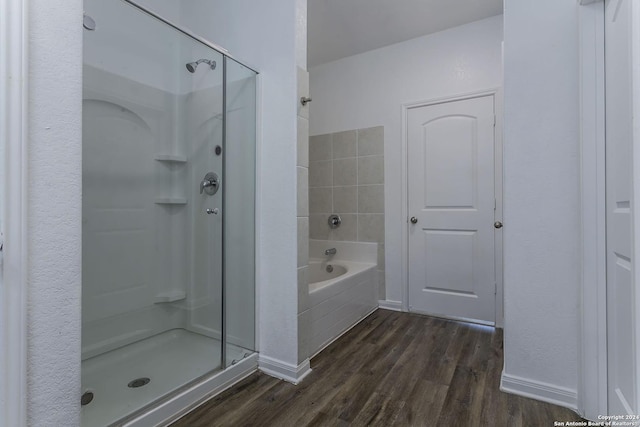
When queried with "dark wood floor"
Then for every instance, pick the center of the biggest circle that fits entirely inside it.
(392, 369)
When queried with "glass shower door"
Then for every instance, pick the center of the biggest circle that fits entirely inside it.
(239, 220)
(153, 129)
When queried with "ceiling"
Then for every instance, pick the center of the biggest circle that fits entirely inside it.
(341, 28)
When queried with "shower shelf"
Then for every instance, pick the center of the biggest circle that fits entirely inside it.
(171, 201)
(171, 296)
(171, 158)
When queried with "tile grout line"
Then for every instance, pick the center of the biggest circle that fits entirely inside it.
(357, 186)
(333, 168)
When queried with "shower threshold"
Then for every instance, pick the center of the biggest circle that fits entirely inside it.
(127, 379)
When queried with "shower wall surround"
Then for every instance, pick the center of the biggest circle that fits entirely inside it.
(168, 219)
(346, 177)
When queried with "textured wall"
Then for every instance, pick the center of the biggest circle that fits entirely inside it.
(53, 213)
(541, 191)
(369, 89)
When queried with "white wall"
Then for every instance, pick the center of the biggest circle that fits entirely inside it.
(265, 39)
(541, 195)
(53, 212)
(369, 89)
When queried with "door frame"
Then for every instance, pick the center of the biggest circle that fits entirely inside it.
(592, 372)
(498, 185)
(13, 258)
(592, 389)
(635, 60)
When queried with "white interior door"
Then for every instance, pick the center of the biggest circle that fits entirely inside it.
(451, 200)
(619, 134)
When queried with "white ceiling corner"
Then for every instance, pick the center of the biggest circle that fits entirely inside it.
(341, 28)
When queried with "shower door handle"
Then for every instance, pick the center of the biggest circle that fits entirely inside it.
(210, 184)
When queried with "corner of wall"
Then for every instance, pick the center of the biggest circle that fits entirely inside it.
(541, 285)
(303, 214)
(539, 390)
(293, 374)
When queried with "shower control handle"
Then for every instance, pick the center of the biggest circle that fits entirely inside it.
(210, 184)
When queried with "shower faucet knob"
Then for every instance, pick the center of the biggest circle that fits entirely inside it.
(210, 184)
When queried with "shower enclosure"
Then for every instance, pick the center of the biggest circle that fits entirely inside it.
(168, 212)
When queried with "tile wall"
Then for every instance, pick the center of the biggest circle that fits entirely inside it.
(346, 177)
(302, 168)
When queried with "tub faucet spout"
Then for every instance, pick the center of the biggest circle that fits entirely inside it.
(331, 251)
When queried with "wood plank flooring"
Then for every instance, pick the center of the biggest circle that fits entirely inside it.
(392, 369)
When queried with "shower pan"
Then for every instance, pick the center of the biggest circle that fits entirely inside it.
(168, 232)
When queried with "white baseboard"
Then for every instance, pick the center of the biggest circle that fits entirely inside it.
(283, 370)
(538, 390)
(390, 305)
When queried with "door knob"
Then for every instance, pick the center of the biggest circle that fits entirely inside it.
(497, 224)
(414, 220)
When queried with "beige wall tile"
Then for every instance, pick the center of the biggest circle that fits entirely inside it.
(303, 241)
(303, 289)
(357, 186)
(321, 174)
(344, 144)
(382, 289)
(303, 142)
(348, 230)
(371, 228)
(371, 141)
(380, 256)
(318, 227)
(321, 200)
(345, 199)
(370, 170)
(320, 147)
(371, 198)
(303, 191)
(345, 171)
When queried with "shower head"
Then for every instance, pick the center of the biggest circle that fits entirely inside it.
(191, 66)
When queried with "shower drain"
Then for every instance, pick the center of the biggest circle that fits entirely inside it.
(86, 398)
(138, 382)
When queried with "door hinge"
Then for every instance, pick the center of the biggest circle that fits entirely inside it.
(495, 204)
(494, 120)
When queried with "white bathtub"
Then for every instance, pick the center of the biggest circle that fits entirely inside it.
(342, 298)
